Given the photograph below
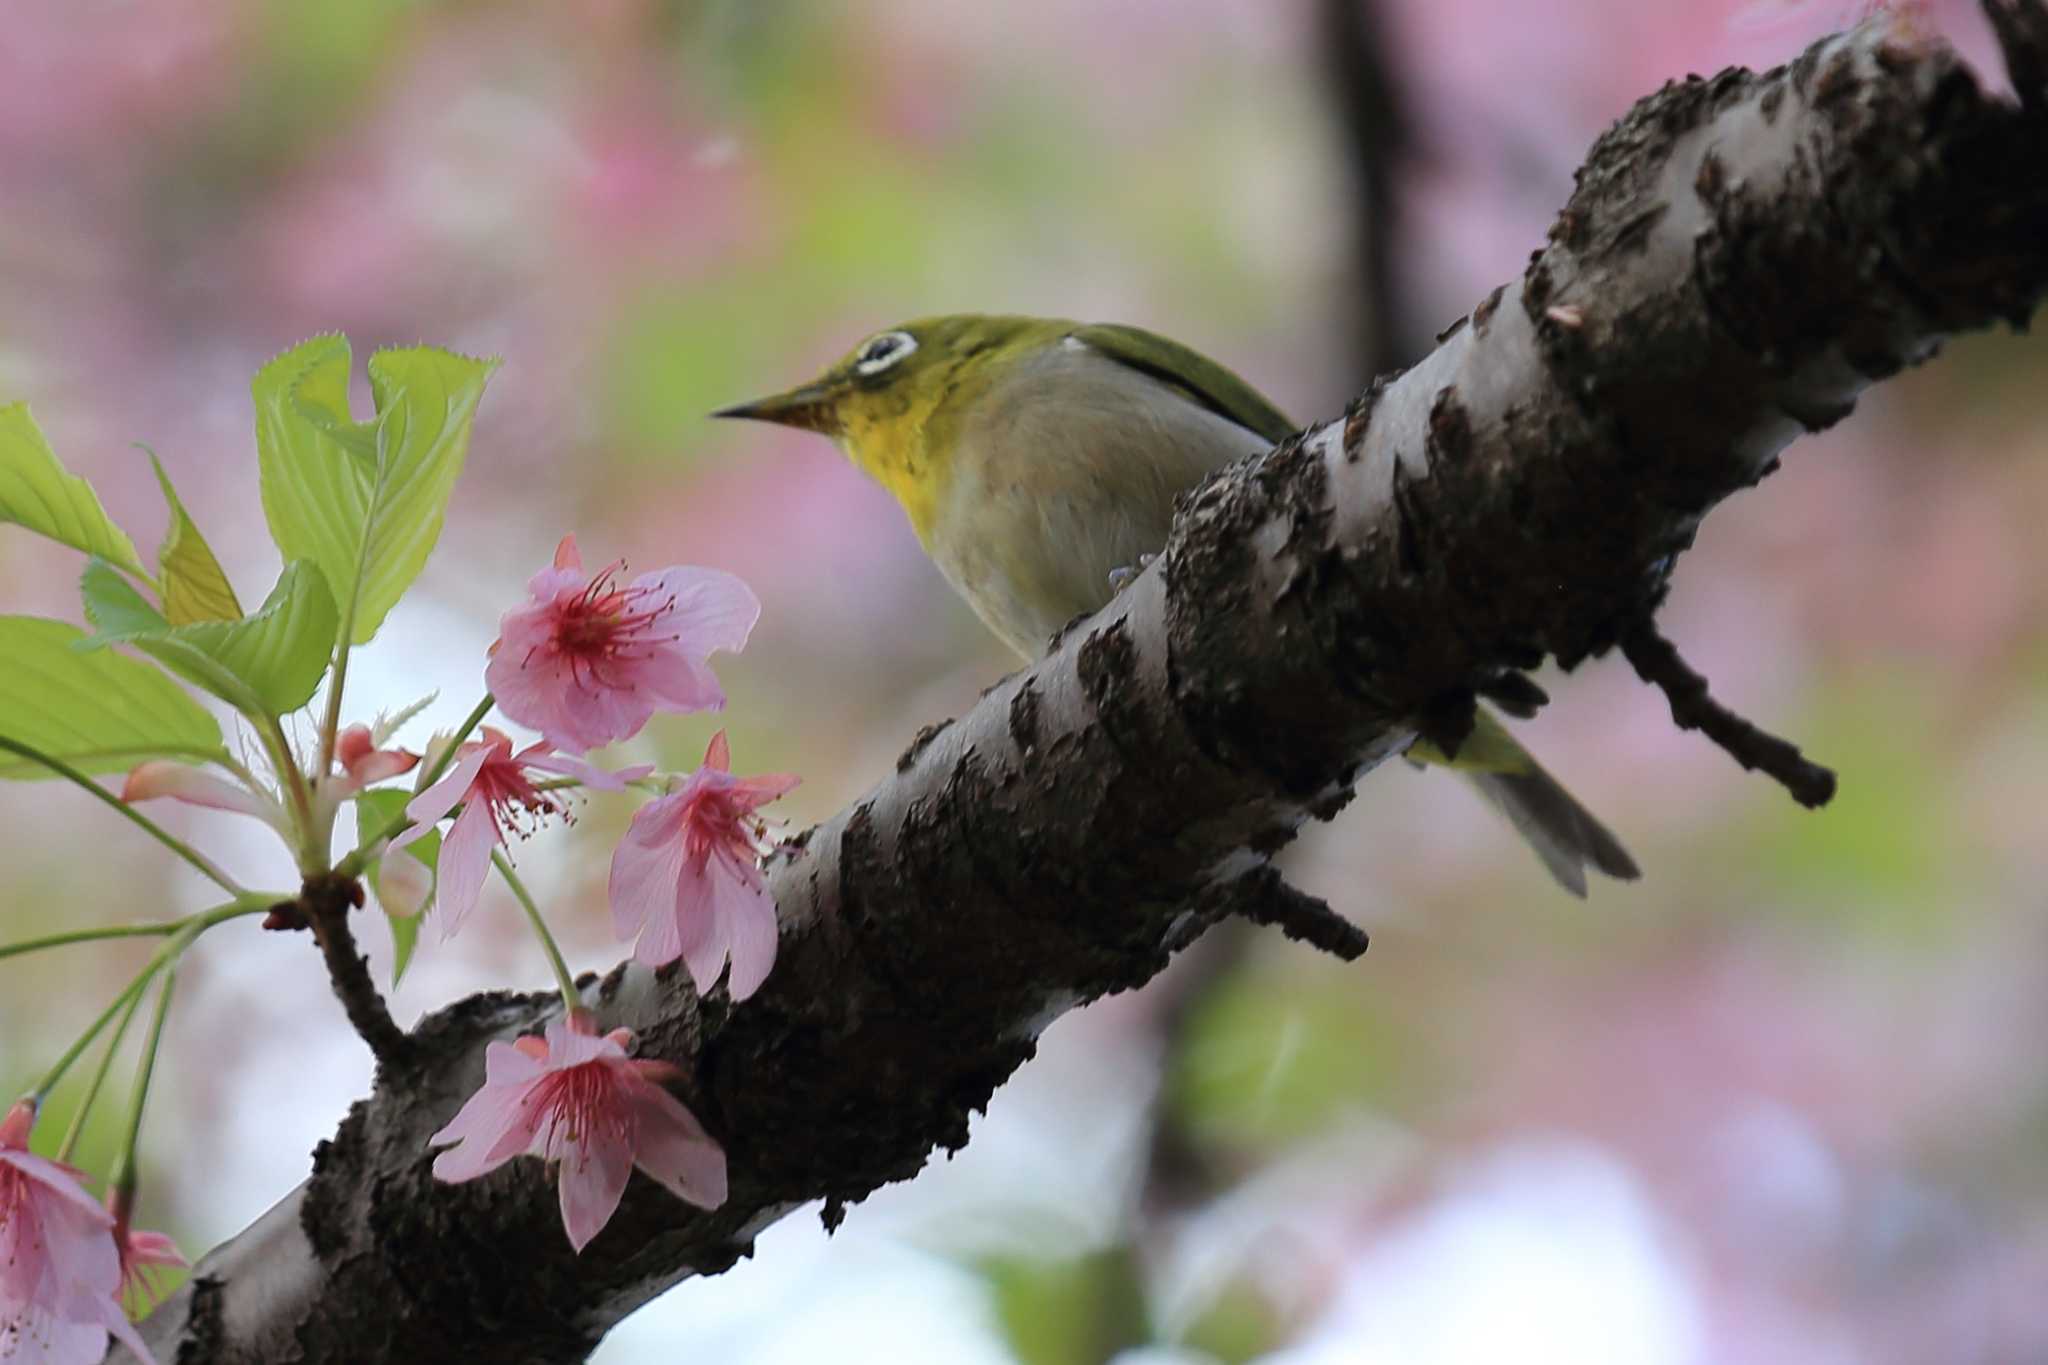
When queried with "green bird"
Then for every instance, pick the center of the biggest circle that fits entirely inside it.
(1038, 460)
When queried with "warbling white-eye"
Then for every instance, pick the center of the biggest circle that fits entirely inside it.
(1038, 460)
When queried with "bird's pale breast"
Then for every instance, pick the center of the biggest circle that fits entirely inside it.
(1065, 472)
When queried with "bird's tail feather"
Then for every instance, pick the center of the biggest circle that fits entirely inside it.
(1565, 835)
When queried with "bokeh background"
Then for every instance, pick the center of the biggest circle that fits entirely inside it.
(1781, 1101)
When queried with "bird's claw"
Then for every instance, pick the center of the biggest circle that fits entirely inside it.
(1121, 578)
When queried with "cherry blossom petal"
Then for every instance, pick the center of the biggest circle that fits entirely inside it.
(589, 774)
(717, 609)
(404, 883)
(124, 1332)
(496, 1123)
(673, 1148)
(747, 922)
(701, 931)
(513, 1063)
(681, 684)
(685, 929)
(762, 788)
(56, 1181)
(592, 1181)
(154, 1248)
(642, 886)
(183, 782)
(426, 809)
(380, 764)
(569, 1045)
(464, 863)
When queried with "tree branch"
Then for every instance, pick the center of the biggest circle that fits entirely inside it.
(1657, 661)
(324, 905)
(1741, 257)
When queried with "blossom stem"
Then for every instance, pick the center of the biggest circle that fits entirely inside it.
(188, 929)
(148, 826)
(446, 757)
(99, 1077)
(156, 929)
(353, 864)
(571, 997)
(122, 1177)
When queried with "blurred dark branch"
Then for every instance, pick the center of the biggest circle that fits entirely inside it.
(1741, 257)
(1365, 96)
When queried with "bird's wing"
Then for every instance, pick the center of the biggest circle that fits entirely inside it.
(1194, 374)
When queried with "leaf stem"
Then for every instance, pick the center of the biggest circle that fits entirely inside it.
(150, 827)
(572, 998)
(330, 723)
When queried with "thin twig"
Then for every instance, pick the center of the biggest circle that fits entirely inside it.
(1264, 897)
(1656, 660)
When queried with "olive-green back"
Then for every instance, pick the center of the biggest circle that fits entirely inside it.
(1193, 373)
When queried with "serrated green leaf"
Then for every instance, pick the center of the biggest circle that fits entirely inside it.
(374, 810)
(267, 663)
(37, 492)
(113, 606)
(194, 586)
(100, 712)
(363, 500)
(121, 615)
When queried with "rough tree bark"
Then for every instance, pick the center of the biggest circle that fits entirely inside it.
(1742, 255)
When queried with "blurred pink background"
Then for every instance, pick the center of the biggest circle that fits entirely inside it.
(1778, 1102)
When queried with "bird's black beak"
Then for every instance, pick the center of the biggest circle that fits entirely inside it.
(811, 407)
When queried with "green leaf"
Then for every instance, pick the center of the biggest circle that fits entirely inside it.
(194, 586)
(36, 492)
(374, 810)
(1073, 1311)
(265, 664)
(100, 712)
(363, 500)
(1237, 1327)
(1266, 1063)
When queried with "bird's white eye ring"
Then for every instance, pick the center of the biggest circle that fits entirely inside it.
(882, 351)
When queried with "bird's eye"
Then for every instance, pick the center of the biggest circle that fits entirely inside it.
(883, 351)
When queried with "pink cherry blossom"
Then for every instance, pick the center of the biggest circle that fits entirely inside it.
(497, 795)
(182, 782)
(687, 876)
(363, 763)
(143, 1254)
(59, 1267)
(577, 1099)
(587, 662)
